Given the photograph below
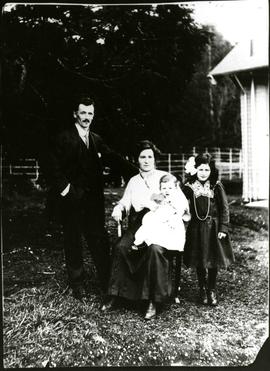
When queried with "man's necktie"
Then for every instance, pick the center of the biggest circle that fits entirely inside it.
(86, 140)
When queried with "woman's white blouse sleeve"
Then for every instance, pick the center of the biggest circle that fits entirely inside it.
(185, 201)
(125, 201)
(182, 203)
(136, 194)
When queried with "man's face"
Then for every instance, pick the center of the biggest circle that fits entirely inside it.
(84, 115)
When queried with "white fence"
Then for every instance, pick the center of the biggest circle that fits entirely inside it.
(228, 161)
(27, 167)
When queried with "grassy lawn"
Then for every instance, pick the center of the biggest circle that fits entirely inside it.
(45, 326)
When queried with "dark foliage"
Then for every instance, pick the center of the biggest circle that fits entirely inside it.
(136, 61)
(211, 112)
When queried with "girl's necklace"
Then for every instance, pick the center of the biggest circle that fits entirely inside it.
(196, 211)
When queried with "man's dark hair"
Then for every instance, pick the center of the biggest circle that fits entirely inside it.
(145, 144)
(82, 99)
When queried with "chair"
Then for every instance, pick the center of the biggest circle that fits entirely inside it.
(175, 262)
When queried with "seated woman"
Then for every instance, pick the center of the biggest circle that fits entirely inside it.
(141, 275)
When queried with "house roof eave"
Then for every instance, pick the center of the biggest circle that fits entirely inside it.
(237, 71)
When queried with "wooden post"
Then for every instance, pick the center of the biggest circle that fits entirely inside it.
(240, 164)
(37, 172)
(183, 166)
(218, 155)
(230, 164)
(220, 168)
(169, 163)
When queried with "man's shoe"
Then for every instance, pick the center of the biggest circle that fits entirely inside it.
(203, 296)
(109, 305)
(79, 292)
(212, 298)
(151, 311)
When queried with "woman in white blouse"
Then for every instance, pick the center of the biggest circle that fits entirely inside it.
(143, 274)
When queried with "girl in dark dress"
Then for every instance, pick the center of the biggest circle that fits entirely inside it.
(208, 244)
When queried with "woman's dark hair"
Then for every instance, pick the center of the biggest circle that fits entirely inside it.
(145, 144)
(206, 158)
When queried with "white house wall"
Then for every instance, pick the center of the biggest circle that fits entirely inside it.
(255, 137)
(244, 129)
(261, 140)
(254, 142)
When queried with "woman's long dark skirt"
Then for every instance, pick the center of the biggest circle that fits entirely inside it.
(141, 275)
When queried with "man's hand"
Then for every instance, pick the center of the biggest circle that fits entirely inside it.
(117, 213)
(221, 235)
(65, 191)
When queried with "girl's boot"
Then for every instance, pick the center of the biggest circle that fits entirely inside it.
(212, 295)
(201, 273)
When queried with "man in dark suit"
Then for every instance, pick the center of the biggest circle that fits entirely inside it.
(77, 181)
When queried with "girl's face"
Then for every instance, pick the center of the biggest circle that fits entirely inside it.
(203, 172)
(146, 160)
(167, 188)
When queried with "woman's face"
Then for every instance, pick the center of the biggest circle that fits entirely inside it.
(146, 160)
(203, 172)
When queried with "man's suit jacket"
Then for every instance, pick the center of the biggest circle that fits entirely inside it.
(71, 162)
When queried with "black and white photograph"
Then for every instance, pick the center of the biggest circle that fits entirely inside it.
(135, 184)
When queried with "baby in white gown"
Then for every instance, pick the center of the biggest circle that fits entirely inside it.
(163, 224)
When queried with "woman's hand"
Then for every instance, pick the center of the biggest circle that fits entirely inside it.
(221, 235)
(186, 216)
(151, 205)
(117, 213)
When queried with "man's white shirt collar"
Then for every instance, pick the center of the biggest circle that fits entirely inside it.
(82, 132)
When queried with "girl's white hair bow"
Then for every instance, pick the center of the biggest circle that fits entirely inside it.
(190, 166)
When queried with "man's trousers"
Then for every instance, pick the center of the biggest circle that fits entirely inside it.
(85, 216)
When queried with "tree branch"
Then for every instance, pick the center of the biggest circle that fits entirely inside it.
(93, 79)
(39, 95)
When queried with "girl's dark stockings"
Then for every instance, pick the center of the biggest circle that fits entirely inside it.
(210, 283)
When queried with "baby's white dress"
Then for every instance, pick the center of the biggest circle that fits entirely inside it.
(164, 226)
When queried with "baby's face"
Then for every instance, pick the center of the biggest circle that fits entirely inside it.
(167, 189)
